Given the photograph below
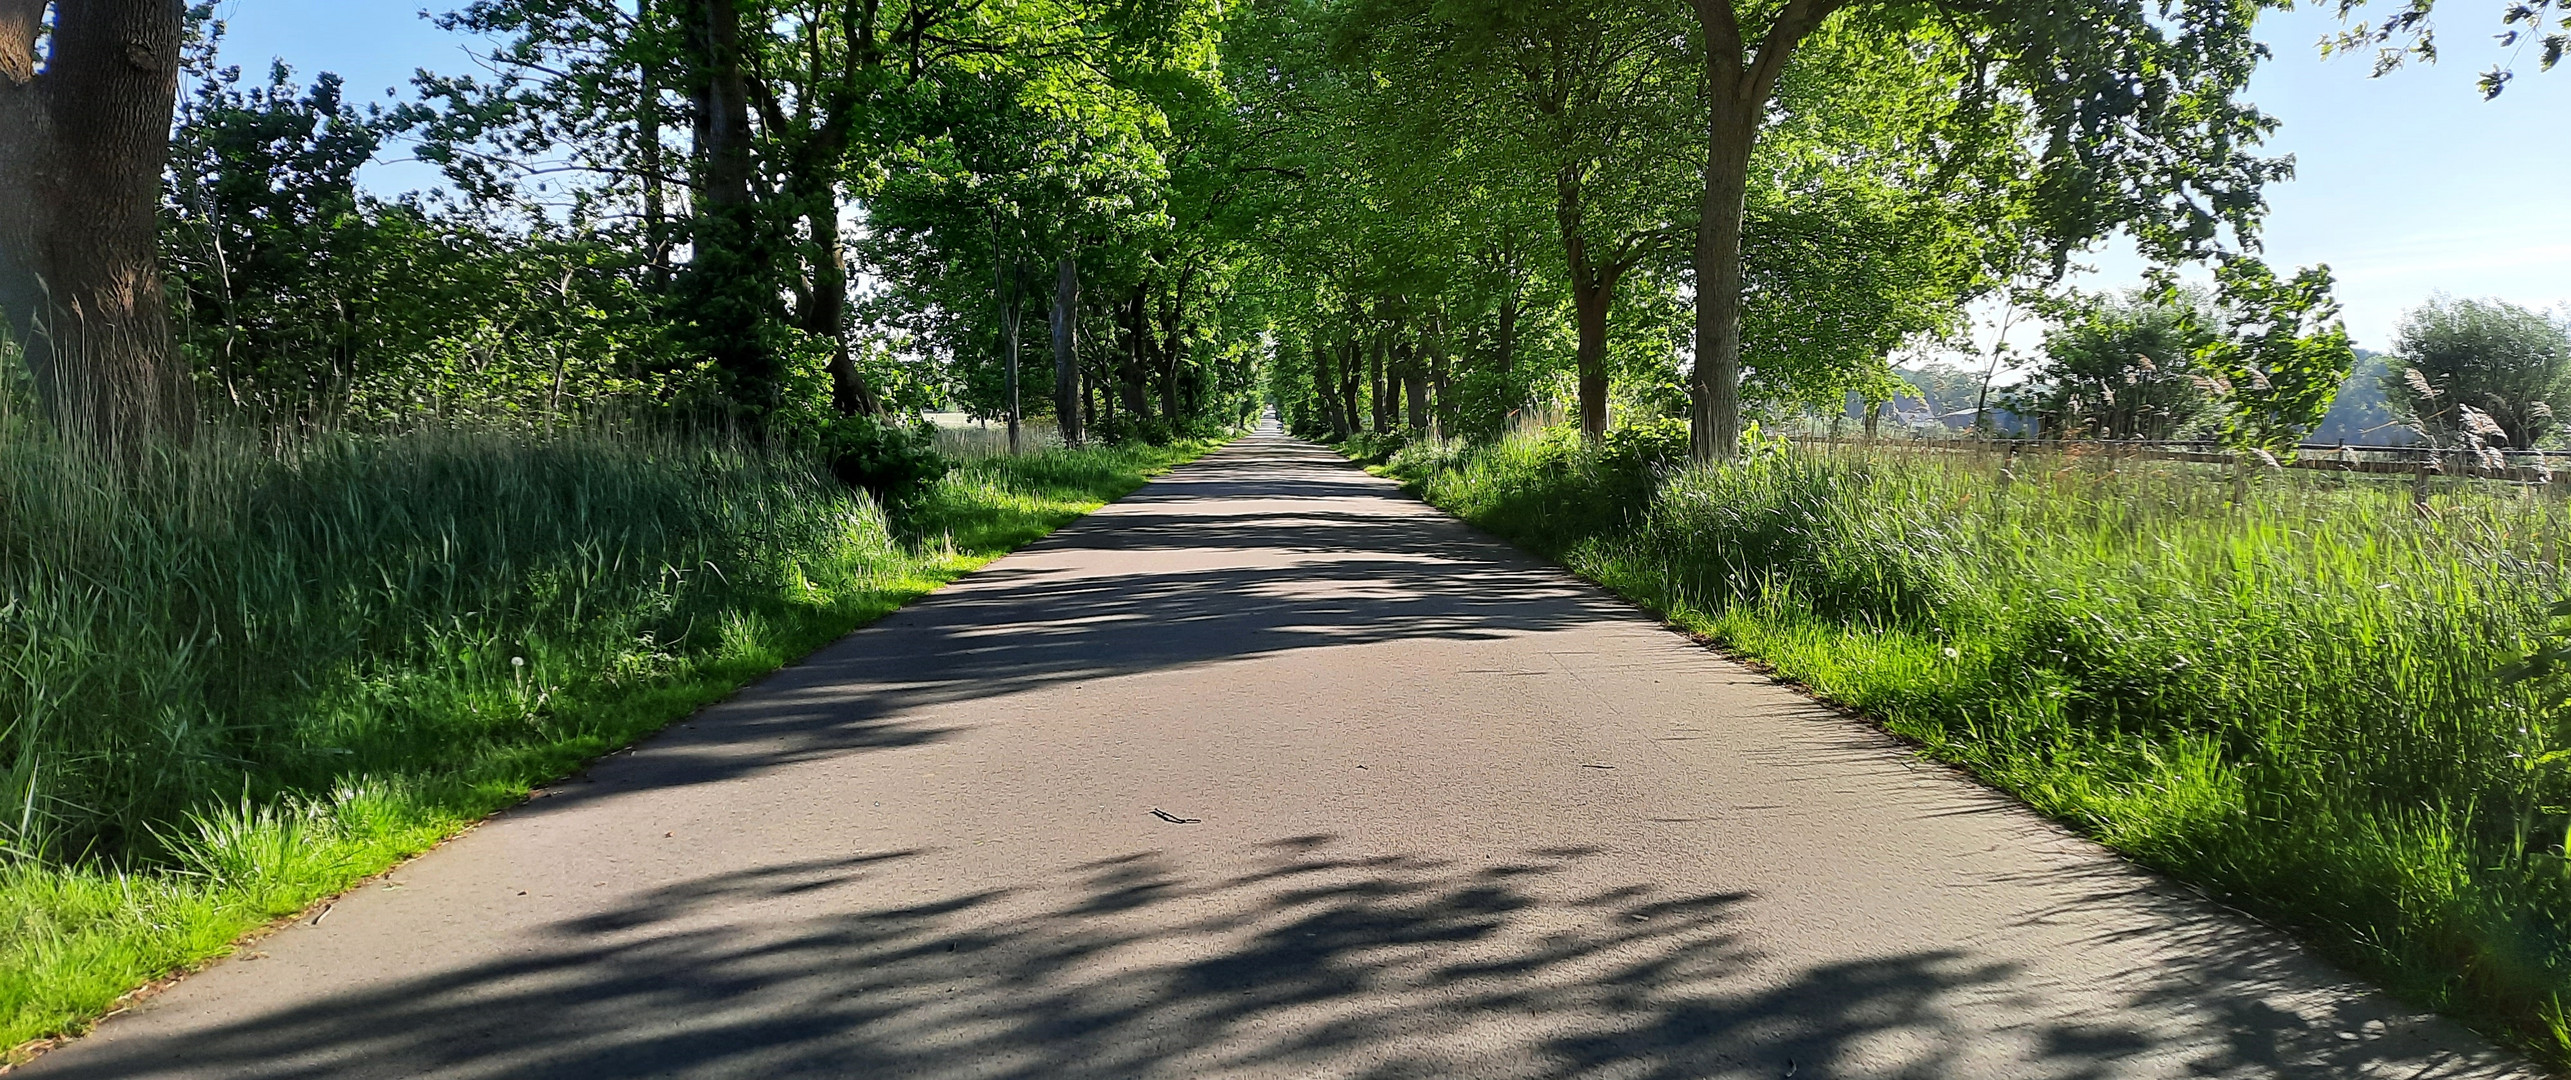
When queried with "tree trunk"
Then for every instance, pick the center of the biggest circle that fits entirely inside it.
(730, 277)
(1352, 363)
(1442, 406)
(1593, 293)
(1737, 88)
(826, 312)
(1510, 396)
(1381, 386)
(1414, 387)
(1325, 382)
(1012, 315)
(1137, 359)
(1067, 398)
(647, 148)
(82, 149)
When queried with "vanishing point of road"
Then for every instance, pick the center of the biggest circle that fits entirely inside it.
(1270, 771)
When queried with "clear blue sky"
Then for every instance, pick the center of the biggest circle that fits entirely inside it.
(2405, 185)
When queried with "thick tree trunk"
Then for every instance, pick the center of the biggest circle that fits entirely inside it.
(1715, 433)
(731, 287)
(1738, 84)
(1066, 357)
(82, 148)
(1593, 294)
(825, 312)
(1325, 383)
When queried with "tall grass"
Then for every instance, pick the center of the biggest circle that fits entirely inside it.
(2296, 701)
(239, 677)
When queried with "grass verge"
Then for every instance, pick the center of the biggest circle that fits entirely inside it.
(2297, 699)
(244, 680)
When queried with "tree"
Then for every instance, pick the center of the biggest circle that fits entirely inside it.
(1590, 100)
(85, 107)
(2274, 354)
(2508, 363)
(2120, 367)
(2133, 103)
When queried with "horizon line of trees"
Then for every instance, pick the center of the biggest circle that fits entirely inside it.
(1385, 215)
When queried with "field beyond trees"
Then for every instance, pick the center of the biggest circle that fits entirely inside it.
(240, 678)
(2302, 702)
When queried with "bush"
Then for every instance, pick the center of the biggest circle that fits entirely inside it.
(896, 465)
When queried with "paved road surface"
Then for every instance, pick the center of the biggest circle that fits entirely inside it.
(1446, 813)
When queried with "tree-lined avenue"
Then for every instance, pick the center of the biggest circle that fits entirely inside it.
(1269, 770)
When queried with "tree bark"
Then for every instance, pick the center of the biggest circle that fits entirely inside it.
(1066, 357)
(1441, 406)
(1414, 387)
(1352, 362)
(1325, 382)
(730, 288)
(1138, 343)
(82, 147)
(1593, 294)
(1715, 428)
(1737, 87)
(1381, 386)
(826, 312)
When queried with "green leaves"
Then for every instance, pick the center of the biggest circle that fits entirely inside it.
(2276, 352)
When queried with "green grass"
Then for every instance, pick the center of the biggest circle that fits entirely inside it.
(2297, 702)
(241, 678)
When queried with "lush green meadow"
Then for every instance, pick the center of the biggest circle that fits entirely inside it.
(2299, 702)
(242, 677)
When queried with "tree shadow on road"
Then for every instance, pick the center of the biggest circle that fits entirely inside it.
(1302, 959)
(1236, 586)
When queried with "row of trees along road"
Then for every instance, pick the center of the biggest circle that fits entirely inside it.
(1377, 213)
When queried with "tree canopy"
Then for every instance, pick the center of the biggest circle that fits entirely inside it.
(1390, 216)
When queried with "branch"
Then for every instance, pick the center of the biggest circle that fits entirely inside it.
(1797, 22)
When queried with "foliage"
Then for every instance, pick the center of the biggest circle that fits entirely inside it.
(2298, 703)
(2412, 31)
(2274, 353)
(895, 465)
(2486, 358)
(251, 676)
(2119, 367)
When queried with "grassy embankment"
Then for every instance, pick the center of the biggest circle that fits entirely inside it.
(239, 680)
(2297, 703)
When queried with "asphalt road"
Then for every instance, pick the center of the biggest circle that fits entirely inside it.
(1269, 771)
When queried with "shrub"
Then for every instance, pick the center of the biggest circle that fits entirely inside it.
(897, 465)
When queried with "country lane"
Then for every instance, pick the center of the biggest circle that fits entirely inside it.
(1271, 771)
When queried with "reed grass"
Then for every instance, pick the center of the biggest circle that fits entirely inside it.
(242, 676)
(2295, 700)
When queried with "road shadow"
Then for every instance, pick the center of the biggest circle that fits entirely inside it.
(1255, 567)
(1298, 959)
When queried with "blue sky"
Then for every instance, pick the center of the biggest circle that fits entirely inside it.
(2405, 185)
